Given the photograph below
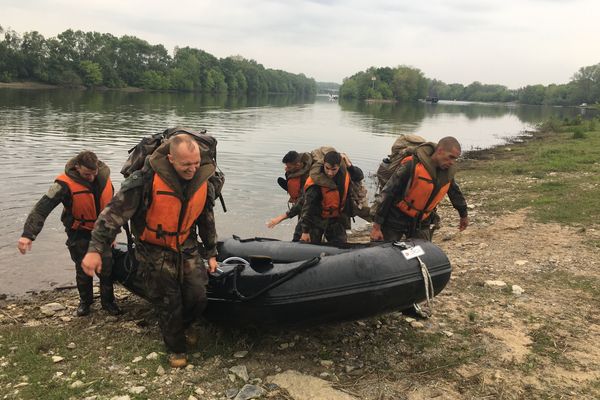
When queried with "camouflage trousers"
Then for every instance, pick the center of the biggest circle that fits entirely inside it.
(77, 243)
(175, 283)
(334, 232)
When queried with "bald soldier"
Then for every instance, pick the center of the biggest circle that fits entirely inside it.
(409, 198)
(169, 202)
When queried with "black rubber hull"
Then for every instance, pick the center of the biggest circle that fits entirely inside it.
(357, 282)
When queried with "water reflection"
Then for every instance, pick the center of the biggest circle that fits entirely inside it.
(41, 129)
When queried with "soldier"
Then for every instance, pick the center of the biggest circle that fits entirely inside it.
(409, 198)
(297, 167)
(84, 189)
(166, 201)
(325, 211)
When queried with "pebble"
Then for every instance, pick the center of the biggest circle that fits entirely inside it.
(77, 385)
(199, 391)
(249, 392)
(240, 354)
(520, 263)
(240, 371)
(409, 320)
(126, 397)
(66, 319)
(326, 363)
(191, 397)
(417, 325)
(284, 346)
(448, 333)
(152, 356)
(57, 359)
(71, 346)
(160, 370)
(137, 359)
(517, 290)
(51, 308)
(496, 284)
(137, 389)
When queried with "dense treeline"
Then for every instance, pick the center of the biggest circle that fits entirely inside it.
(405, 83)
(75, 58)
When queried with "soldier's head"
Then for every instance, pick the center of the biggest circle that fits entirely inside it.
(446, 152)
(331, 163)
(184, 155)
(86, 165)
(293, 161)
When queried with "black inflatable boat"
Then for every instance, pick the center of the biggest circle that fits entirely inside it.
(269, 281)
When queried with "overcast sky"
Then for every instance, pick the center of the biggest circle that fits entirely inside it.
(509, 42)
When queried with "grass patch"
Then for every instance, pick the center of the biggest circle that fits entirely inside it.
(586, 284)
(29, 351)
(558, 177)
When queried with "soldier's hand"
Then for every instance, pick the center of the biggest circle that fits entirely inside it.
(92, 263)
(212, 264)
(305, 237)
(464, 222)
(376, 234)
(274, 221)
(24, 244)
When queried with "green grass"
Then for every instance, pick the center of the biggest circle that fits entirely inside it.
(34, 347)
(555, 175)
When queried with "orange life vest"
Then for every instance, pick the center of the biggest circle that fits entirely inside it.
(83, 205)
(293, 188)
(420, 199)
(331, 205)
(169, 219)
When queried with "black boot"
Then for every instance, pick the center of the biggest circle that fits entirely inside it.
(107, 299)
(83, 309)
(86, 298)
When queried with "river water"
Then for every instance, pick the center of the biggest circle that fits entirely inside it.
(40, 130)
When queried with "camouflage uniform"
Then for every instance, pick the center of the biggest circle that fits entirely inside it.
(396, 225)
(77, 240)
(334, 229)
(175, 282)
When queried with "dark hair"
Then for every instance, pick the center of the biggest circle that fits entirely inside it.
(449, 143)
(291, 156)
(333, 158)
(87, 159)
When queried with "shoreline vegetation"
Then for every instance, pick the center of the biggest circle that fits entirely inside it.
(405, 83)
(517, 320)
(101, 60)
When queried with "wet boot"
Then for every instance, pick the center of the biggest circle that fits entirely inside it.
(107, 298)
(86, 298)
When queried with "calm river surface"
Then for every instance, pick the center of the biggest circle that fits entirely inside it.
(41, 130)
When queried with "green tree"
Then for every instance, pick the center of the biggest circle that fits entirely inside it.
(91, 73)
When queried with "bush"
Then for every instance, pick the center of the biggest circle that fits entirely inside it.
(579, 133)
(551, 125)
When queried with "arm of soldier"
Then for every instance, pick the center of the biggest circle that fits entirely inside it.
(393, 189)
(208, 234)
(311, 210)
(116, 214)
(460, 204)
(36, 218)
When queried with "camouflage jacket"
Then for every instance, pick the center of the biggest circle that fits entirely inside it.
(312, 199)
(394, 190)
(133, 199)
(59, 193)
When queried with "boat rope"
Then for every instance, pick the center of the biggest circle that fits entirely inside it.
(429, 293)
(289, 275)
